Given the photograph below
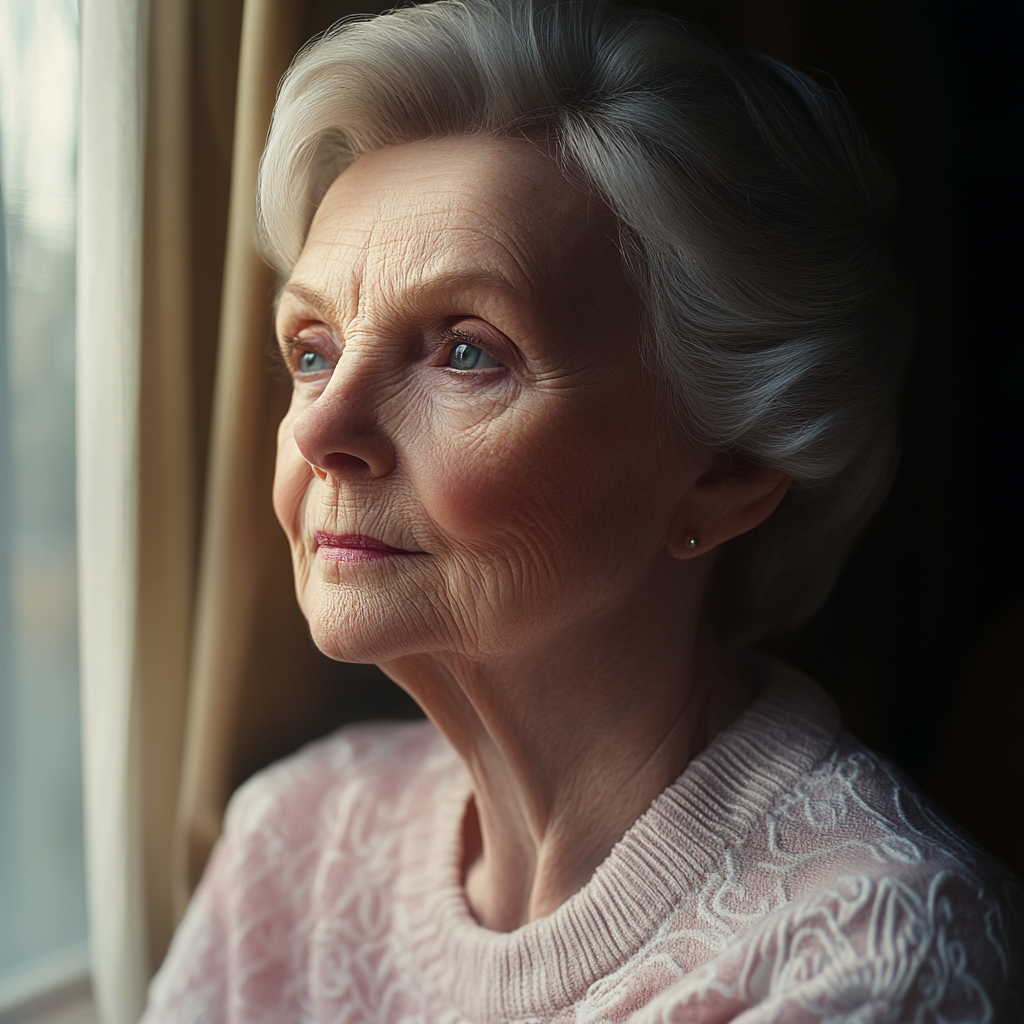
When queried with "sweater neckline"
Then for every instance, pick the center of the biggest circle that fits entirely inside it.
(548, 964)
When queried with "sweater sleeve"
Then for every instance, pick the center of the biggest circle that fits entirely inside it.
(872, 950)
(191, 986)
(240, 951)
(244, 949)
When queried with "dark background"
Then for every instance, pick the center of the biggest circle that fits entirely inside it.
(922, 642)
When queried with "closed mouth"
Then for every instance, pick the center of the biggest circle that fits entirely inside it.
(353, 547)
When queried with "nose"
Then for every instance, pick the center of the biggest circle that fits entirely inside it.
(340, 433)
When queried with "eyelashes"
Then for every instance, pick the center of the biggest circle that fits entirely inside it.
(454, 349)
(466, 351)
(302, 357)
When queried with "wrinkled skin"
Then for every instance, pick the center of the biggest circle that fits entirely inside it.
(536, 594)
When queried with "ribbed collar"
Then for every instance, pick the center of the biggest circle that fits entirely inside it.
(549, 964)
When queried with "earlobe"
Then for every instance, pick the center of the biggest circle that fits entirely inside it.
(683, 545)
(721, 505)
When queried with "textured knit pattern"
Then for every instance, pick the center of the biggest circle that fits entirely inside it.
(788, 875)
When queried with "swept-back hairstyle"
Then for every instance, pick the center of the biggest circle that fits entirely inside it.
(752, 223)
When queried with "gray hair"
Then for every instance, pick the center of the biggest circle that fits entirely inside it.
(752, 213)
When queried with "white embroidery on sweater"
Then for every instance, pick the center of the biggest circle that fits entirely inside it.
(849, 902)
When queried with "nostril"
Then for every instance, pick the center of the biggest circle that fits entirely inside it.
(342, 464)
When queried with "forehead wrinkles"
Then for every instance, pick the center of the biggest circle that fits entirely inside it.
(401, 258)
(458, 235)
(336, 275)
(388, 230)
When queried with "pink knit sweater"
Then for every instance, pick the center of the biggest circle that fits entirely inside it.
(788, 875)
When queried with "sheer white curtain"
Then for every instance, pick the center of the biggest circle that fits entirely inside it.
(113, 94)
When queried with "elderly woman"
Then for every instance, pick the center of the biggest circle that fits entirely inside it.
(595, 344)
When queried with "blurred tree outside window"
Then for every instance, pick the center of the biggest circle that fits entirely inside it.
(42, 884)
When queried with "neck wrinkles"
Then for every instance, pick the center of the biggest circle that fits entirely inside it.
(660, 862)
(567, 746)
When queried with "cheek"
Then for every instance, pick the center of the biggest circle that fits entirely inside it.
(558, 488)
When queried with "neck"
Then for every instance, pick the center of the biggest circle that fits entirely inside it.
(568, 742)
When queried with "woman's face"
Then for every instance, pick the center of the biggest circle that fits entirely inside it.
(472, 460)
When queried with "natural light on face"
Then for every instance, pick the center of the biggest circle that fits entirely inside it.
(42, 901)
(472, 457)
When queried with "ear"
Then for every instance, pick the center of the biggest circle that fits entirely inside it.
(722, 504)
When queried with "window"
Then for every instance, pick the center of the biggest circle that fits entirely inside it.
(42, 885)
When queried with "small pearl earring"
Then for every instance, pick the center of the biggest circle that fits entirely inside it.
(691, 543)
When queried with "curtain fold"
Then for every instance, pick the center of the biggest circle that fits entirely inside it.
(151, 213)
(109, 290)
(238, 526)
(167, 477)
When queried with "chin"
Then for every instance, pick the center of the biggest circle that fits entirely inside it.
(352, 627)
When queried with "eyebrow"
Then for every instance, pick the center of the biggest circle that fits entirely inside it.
(319, 300)
(324, 302)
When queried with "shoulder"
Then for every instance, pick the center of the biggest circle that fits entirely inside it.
(939, 943)
(245, 940)
(842, 805)
(853, 812)
(863, 949)
(910, 900)
(340, 796)
(360, 761)
(853, 891)
(868, 850)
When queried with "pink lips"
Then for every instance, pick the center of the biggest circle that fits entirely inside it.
(353, 547)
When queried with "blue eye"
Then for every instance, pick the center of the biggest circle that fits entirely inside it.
(468, 357)
(312, 362)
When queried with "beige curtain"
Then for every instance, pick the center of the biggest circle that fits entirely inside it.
(241, 556)
(157, 92)
(192, 51)
(167, 474)
(139, 440)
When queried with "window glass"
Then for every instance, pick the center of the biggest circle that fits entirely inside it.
(42, 888)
